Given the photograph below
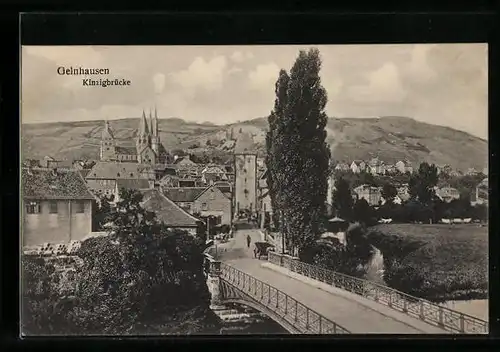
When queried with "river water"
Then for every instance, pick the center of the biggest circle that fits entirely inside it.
(241, 320)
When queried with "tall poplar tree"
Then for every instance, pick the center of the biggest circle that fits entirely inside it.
(301, 154)
(274, 173)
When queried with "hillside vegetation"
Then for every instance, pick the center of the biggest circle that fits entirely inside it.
(389, 138)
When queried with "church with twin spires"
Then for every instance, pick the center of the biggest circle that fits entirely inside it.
(148, 148)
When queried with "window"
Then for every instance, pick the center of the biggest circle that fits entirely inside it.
(118, 174)
(212, 194)
(79, 207)
(53, 207)
(33, 208)
(204, 206)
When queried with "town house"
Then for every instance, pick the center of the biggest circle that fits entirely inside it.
(447, 194)
(211, 174)
(480, 196)
(358, 166)
(103, 175)
(369, 193)
(130, 184)
(56, 206)
(203, 202)
(376, 166)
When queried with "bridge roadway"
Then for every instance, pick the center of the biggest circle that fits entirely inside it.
(353, 312)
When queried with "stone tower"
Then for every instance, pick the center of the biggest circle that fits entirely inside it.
(108, 144)
(155, 138)
(245, 168)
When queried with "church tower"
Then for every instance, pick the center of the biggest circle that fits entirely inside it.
(142, 140)
(245, 168)
(108, 144)
(155, 138)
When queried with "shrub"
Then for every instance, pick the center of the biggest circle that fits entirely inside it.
(44, 310)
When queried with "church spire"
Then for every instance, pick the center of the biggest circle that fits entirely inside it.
(155, 126)
(151, 125)
(143, 125)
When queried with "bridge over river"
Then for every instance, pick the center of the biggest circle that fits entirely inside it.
(305, 299)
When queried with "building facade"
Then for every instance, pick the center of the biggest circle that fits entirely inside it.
(56, 206)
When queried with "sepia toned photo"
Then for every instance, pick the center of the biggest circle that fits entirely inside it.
(239, 190)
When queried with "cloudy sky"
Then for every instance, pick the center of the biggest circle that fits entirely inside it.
(443, 84)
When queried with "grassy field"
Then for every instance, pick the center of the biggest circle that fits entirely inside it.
(436, 262)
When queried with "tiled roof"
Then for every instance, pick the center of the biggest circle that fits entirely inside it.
(96, 186)
(40, 183)
(244, 144)
(126, 150)
(183, 194)
(212, 170)
(166, 210)
(139, 183)
(112, 170)
(84, 172)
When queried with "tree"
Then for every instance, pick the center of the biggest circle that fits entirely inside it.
(101, 209)
(141, 275)
(389, 192)
(362, 211)
(302, 152)
(342, 200)
(422, 183)
(273, 148)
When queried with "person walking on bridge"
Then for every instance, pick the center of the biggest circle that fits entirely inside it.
(249, 240)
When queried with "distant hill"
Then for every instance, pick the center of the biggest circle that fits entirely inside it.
(389, 138)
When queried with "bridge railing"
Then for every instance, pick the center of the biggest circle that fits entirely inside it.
(306, 320)
(424, 310)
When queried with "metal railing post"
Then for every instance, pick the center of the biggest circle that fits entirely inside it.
(286, 303)
(307, 318)
(462, 323)
(262, 290)
(296, 310)
(441, 322)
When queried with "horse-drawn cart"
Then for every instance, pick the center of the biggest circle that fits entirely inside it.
(261, 249)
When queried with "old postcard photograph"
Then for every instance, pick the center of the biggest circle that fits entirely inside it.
(259, 189)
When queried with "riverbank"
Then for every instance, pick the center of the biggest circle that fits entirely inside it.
(436, 262)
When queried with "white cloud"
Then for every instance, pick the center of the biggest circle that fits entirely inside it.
(159, 82)
(384, 85)
(239, 56)
(234, 70)
(264, 76)
(85, 56)
(204, 74)
(418, 66)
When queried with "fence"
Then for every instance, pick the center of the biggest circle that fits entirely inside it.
(424, 310)
(305, 320)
